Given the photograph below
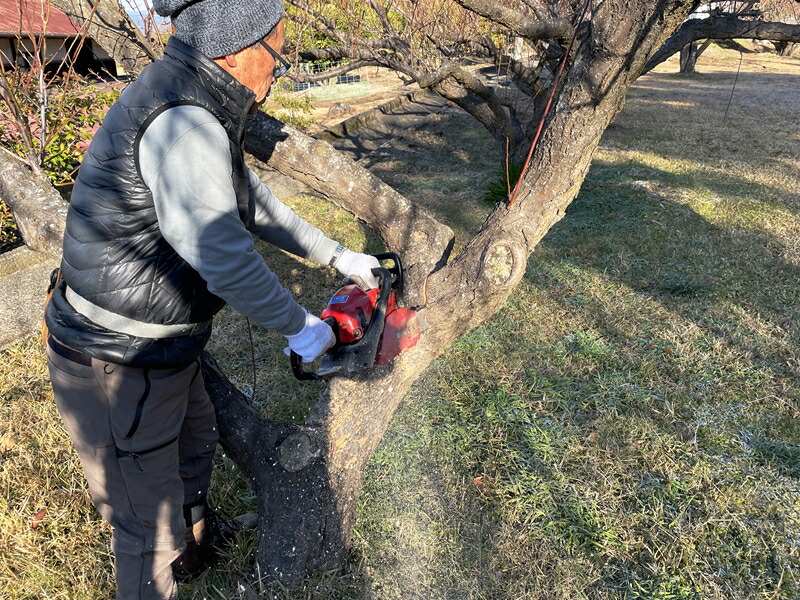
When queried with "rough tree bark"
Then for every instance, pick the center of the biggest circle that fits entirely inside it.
(326, 457)
(308, 476)
(39, 210)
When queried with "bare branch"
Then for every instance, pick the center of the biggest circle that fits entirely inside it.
(108, 24)
(383, 15)
(39, 211)
(20, 119)
(319, 22)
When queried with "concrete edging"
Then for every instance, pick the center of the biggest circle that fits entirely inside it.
(24, 276)
(349, 127)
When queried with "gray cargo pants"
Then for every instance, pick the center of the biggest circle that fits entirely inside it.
(146, 438)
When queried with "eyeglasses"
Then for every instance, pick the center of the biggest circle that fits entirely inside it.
(281, 64)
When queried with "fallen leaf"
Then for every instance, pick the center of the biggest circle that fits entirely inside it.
(7, 444)
(38, 518)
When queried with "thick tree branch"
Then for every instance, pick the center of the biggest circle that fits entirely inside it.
(420, 239)
(300, 525)
(39, 211)
(340, 70)
(335, 53)
(502, 117)
(520, 24)
(239, 424)
(723, 28)
(380, 50)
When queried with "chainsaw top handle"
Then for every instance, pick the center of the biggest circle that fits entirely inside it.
(360, 356)
(396, 269)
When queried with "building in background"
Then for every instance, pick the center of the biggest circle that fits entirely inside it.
(23, 26)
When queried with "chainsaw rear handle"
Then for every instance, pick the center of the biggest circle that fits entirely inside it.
(361, 355)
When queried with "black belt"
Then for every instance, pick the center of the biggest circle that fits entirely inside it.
(69, 353)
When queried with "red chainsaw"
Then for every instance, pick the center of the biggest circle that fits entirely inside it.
(371, 327)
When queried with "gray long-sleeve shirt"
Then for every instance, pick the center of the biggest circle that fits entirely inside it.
(185, 160)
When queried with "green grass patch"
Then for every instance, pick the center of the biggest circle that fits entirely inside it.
(340, 91)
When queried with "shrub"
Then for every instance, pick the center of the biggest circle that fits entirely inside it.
(75, 110)
(288, 107)
(9, 235)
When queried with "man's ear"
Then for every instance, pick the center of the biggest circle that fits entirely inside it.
(231, 60)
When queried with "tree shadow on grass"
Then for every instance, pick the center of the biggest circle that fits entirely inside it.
(735, 287)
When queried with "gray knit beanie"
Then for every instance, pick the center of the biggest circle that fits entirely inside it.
(220, 27)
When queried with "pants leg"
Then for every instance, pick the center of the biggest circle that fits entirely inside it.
(197, 443)
(126, 424)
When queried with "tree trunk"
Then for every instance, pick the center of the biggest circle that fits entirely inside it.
(317, 502)
(688, 58)
(784, 48)
(39, 210)
(690, 54)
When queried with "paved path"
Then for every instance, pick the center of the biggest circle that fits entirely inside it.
(24, 274)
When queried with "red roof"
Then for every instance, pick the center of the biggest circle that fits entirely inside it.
(26, 16)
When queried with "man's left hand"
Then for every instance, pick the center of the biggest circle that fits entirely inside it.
(358, 267)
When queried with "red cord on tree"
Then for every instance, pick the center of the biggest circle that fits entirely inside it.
(549, 102)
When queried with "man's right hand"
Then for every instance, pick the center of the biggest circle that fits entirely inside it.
(312, 340)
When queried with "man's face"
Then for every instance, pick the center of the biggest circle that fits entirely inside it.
(265, 63)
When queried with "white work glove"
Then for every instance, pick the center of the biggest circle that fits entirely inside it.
(312, 340)
(357, 268)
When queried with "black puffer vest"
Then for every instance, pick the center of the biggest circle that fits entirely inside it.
(114, 254)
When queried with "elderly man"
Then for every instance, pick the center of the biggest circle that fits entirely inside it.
(158, 239)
